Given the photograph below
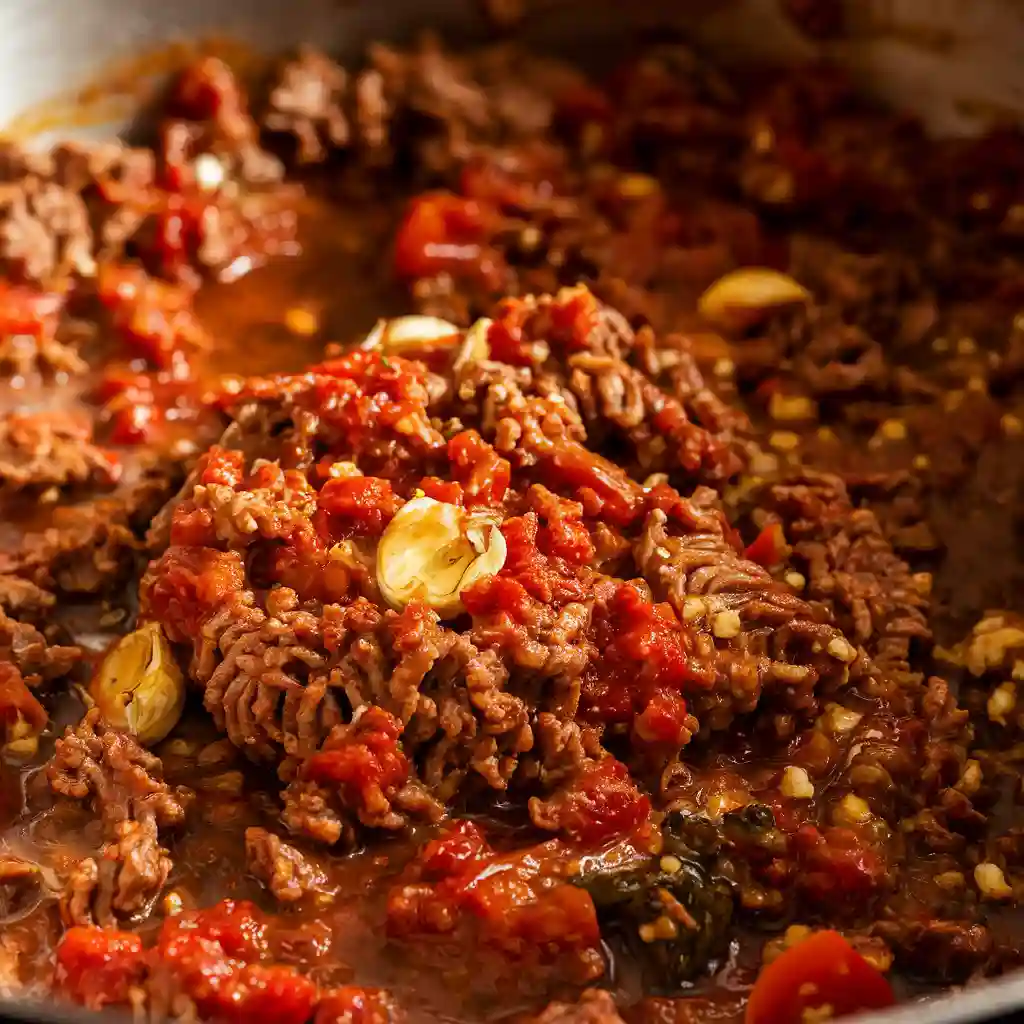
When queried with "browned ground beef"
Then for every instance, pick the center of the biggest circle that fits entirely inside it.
(747, 669)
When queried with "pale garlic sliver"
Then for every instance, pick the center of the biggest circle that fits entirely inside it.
(139, 687)
(407, 333)
(475, 347)
(432, 551)
(745, 295)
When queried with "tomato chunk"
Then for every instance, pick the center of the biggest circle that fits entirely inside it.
(600, 802)
(17, 701)
(822, 971)
(360, 505)
(365, 755)
(769, 547)
(97, 966)
(442, 233)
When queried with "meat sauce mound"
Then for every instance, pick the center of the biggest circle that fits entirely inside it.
(566, 533)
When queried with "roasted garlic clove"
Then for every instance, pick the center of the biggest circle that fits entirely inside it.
(139, 686)
(433, 551)
(475, 347)
(746, 296)
(404, 334)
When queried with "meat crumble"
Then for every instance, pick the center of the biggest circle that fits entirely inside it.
(487, 543)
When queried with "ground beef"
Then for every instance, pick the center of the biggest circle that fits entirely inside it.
(39, 661)
(755, 632)
(851, 568)
(215, 119)
(123, 784)
(704, 674)
(594, 1006)
(114, 181)
(44, 231)
(40, 450)
(89, 548)
(308, 102)
(121, 780)
(23, 598)
(122, 882)
(280, 670)
(574, 337)
(28, 355)
(287, 872)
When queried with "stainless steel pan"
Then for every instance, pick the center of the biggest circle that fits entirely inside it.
(957, 63)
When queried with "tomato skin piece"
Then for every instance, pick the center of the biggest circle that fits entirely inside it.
(823, 970)
(769, 547)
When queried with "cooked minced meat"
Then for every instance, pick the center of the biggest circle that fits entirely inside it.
(628, 627)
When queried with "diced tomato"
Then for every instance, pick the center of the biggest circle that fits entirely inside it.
(443, 233)
(356, 506)
(25, 310)
(665, 720)
(462, 846)
(353, 1005)
(574, 315)
(483, 473)
(599, 803)
(154, 317)
(505, 336)
(563, 534)
(236, 926)
(224, 466)
(17, 702)
(361, 394)
(836, 866)
(448, 491)
(206, 90)
(193, 527)
(177, 233)
(572, 466)
(500, 596)
(213, 957)
(514, 917)
(97, 967)
(256, 994)
(364, 761)
(823, 975)
(515, 900)
(546, 578)
(120, 380)
(131, 423)
(186, 585)
(177, 148)
(769, 547)
(644, 666)
(643, 649)
(129, 405)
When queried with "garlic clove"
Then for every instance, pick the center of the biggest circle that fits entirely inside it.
(404, 334)
(746, 296)
(475, 347)
(432, 551)
(139, 686)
